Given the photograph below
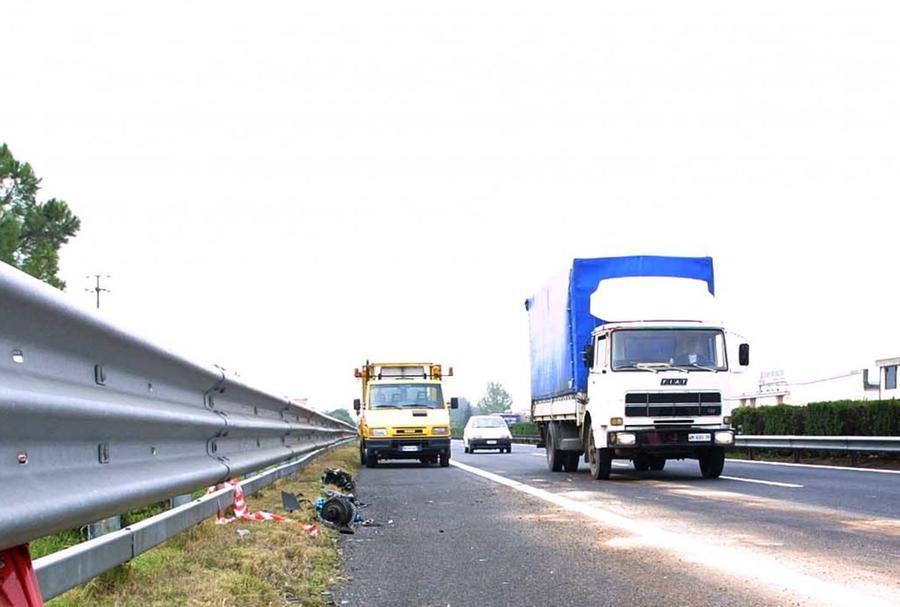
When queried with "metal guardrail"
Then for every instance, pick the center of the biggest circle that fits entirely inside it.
(889, 444)
(859, 444)
(95, 421)
(68, 568)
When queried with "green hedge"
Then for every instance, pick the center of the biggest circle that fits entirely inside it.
(838, 418)
(523, 429)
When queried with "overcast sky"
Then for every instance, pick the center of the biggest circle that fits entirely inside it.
(289, 188)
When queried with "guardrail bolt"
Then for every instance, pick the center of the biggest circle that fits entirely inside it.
(99, 375)
(22, 457)
(103, 453)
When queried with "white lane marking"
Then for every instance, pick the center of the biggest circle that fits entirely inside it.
(762, 482)
(822, 466)
(741, 563)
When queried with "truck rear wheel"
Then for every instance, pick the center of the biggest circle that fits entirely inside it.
(600, 460)
(712, 461)
(555, 456)
(371, 459)
(570, 463)
(656, 463)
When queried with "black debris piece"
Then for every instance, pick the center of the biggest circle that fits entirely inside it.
(339, 478)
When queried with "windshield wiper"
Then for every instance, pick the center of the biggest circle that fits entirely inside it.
(698, 366)
(657, 367)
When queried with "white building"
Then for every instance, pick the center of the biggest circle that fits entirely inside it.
(774, 388)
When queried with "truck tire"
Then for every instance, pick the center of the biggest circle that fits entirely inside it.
(555, 456)
(371, 459)
(362, 452)
(712, 461)
(600, 460)
(465, 449)
(445, 460)
(656, 463)
(570, 463)
(641, 463)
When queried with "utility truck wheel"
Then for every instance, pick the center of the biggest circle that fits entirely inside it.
(509, 449)
(445, 460)
(657, 463)
(570, 463)
(371, 459)
(600, 460)
(555, 456)
(712, 461)
(362, 452)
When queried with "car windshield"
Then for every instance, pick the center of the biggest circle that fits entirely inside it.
(658, 349)
(489, 422)
(426, 396)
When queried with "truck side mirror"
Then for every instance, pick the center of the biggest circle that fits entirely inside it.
(454, 403)
(357, 405)
(744, 355)
(588, 356)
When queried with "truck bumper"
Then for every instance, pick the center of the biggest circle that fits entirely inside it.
(670, 442)
(407, 448)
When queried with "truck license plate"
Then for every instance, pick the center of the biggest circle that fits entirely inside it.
(492, 442)
(409, 448)
(699, 438)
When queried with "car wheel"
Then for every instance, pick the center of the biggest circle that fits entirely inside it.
(712, 461)
(465, 449)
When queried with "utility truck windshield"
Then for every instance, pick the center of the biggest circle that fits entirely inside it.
(394, 396)
(664, 349)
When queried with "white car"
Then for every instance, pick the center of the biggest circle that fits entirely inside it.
(487, 432)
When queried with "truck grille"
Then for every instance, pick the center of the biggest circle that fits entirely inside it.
(408, 431)
(680, 404)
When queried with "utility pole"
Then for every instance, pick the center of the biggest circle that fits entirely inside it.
(97, 288)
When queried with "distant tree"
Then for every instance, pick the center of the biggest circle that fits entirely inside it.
(496, 400)
(31, 232)
(343, 415)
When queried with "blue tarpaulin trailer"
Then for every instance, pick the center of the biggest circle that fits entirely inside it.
(561, 323)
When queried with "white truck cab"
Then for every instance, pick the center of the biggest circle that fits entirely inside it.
(643, 390)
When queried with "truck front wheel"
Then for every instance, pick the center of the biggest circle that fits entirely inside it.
(371, 459)
(712, 461)
(445, 460)
(362, 452)
(600, 460)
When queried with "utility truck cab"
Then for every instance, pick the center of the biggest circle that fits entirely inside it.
(635, 386)
(403, 414)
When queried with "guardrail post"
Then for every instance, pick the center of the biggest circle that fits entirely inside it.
(18, 583)
(107, 525)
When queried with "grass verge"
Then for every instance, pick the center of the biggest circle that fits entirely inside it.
(275, 564)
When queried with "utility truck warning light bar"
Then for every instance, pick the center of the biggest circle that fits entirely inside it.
(371, 371)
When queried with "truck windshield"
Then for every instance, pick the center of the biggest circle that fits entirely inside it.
(427, 396)
(658, 349)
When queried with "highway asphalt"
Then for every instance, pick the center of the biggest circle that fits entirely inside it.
(500, 529)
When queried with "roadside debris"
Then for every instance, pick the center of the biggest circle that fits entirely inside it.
(239, 508)
(340, 479)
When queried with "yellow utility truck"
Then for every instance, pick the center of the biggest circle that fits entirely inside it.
(402, 413)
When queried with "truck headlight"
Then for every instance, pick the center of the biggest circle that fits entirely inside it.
(378, 431)
(724, 438)
(625, 439)
(615, 421)
(440, 430)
